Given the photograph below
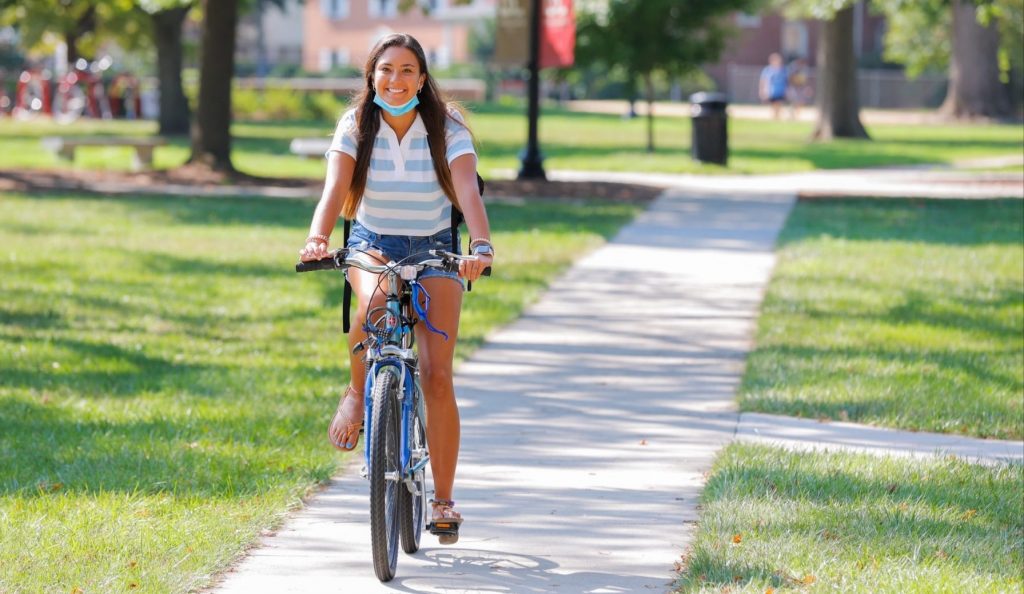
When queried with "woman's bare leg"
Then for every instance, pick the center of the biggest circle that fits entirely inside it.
(436, 356)
(364, 286)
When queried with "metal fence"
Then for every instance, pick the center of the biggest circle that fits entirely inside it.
(876, 88)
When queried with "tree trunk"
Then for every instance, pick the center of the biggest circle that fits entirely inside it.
(174, 111)
(71, 40)
(649, 83)
(838, 103)
(211, 133)
(85, 24)
(974, 87)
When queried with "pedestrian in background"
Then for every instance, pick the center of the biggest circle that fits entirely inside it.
(799, 91)
(774, 80)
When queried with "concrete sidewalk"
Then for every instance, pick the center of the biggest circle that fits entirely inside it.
(809, 434)
(904, 182)
(587, 424)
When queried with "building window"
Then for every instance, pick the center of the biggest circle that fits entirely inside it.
(748, 21)
(383, 9)
(333, 58)
(334, 10)
(794, 39)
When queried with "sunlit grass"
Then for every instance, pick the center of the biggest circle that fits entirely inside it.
(905, 313)
(782, 521)
(569, 140)
(166, 378)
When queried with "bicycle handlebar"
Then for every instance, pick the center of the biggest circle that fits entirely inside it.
(337, 260)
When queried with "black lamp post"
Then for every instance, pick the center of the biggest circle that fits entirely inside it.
(532, 161)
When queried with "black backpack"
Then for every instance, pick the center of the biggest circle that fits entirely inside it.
(346, 299)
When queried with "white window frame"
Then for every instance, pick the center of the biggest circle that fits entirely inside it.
(748, 21)
(383, 9)
(342, 57)
(325, 58)
(335, 10)
(794, 39)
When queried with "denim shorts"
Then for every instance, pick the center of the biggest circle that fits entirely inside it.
(401, 247)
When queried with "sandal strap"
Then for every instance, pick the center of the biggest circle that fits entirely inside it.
(348, 391)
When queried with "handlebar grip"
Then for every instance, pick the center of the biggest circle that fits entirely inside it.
(486, 272)
(324, 264)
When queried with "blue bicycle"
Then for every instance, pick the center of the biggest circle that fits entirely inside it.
(394, 419)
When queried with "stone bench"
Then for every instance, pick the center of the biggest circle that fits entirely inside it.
(312, 148)
(65, 146)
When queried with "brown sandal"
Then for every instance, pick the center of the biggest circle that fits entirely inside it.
(340, 426)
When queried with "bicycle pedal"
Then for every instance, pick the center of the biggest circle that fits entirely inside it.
(440, 528)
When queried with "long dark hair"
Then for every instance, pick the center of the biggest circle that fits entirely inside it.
(432, 109)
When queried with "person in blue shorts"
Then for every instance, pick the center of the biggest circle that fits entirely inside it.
(772, 88)
(400, 160)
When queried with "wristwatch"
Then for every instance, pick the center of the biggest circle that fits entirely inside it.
(483, 250)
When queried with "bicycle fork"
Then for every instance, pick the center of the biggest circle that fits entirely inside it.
(413, 459)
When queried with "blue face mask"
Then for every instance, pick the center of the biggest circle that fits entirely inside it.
(399, 110)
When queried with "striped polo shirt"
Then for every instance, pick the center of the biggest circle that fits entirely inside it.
(403, 196)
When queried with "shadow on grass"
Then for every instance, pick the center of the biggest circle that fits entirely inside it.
(231, 455)
(936, 306)
(949, 222)
(948, 514)
(832, 157)
(907, 387)
(138, 373)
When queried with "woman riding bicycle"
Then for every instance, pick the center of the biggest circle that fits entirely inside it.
(399, 161)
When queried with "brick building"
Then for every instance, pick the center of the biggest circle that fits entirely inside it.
(341, 32)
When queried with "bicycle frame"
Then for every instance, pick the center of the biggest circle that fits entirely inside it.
(393, 348)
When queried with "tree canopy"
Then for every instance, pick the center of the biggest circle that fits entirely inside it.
(82, 25)
(655, 36)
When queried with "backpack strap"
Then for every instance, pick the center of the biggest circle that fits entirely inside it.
(346, 298)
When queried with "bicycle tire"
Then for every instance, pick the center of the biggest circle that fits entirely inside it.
(411, 507)
(385, 457)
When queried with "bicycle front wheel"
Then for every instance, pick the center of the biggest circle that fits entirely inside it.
(411, 505)
(385, 473)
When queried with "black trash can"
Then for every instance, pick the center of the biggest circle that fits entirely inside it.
(709, 141)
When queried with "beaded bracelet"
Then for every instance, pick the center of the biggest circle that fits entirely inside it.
(320, 237)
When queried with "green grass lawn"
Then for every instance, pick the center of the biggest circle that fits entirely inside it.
(903, 313)
(569, 140)
(782, 521)
(167, 379)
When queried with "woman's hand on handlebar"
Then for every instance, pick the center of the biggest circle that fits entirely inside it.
(472, 268)
(313, 250)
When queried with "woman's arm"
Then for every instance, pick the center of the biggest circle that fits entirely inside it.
(468, 192)
(339, 177)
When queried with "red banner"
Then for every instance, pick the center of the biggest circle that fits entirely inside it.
(557, 34)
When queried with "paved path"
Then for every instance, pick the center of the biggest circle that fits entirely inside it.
(894, 182)
(809, 434)
(587, 424)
